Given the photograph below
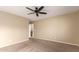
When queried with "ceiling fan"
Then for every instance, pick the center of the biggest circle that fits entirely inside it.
(37, 11)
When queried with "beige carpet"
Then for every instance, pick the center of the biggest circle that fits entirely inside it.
(36, 45)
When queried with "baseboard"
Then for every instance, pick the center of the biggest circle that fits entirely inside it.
(60, 42)
(13, 43)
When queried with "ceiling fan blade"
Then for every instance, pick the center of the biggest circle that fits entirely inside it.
(29, 9)
(37, 14)
(40, 8)
(42, 12)
(30, 13)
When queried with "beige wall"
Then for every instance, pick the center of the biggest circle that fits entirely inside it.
(63, 28)
(13, 29)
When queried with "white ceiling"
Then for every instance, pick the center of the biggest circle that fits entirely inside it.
(51, 11)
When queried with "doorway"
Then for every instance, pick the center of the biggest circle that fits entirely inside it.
(31, 30)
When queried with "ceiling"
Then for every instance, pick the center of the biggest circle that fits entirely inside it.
(51, 10)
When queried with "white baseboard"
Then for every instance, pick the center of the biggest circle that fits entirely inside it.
(60, 42)
(13, 43)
